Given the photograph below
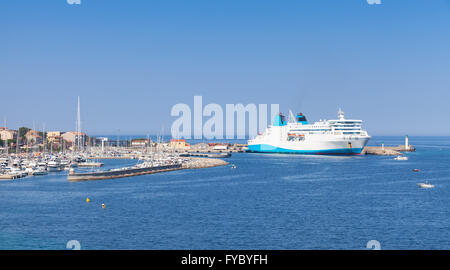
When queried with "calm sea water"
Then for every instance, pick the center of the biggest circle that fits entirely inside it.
(268, 202)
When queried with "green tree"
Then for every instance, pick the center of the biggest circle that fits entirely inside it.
(22, 131)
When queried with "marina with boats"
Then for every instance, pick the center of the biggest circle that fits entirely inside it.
(79, 155)
(80, 165)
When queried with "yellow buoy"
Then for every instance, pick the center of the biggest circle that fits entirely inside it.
(103, 206)
(88, 200)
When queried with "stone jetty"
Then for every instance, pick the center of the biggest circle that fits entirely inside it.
(197, 163)
(387, 150)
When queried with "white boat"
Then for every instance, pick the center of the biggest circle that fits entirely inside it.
(40, 171)
(16, 162)
(342, 136)
(90, 163)
(4, 162)
(54, 166)
(65, 162)
(15, 171)
(401, 158)
(31, 164)
(425, 185)
(42, 163)
(30, 170)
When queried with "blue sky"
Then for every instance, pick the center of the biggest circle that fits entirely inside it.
(131, 61)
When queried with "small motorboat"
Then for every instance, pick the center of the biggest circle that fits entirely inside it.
(416, 170)
(401, 158)
(40, 171)
(425, 185)
(90, 164)
(54, 165)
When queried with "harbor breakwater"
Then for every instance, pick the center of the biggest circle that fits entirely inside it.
(190, 163)
(387, 150)
(119, 173)
(198, 163)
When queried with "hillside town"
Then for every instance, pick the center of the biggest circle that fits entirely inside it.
(26, 140)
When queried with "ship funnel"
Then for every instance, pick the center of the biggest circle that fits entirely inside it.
(301, 119)
(341, 114)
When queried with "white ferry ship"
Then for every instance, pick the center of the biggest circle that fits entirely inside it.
(328, 137)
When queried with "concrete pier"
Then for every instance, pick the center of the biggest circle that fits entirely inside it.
(9, 176)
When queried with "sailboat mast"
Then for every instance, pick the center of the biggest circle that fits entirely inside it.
(6, 138)
(33, 137)
(43, 138)
(17, 142)
(78, 135)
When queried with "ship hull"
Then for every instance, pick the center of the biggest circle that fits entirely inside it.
(265, 148)
(325, 147)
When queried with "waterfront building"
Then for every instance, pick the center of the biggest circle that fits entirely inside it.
(7, 134)
(71, 136)
(33, 136)
(179, 144)
(53, 136)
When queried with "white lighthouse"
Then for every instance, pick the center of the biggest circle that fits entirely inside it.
(406, 143)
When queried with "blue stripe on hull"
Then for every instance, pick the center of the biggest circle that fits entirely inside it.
(265, 148)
